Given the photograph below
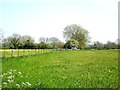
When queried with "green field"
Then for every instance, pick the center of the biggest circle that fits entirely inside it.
(62, 69)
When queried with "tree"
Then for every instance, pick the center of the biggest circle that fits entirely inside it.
(43, 39)
(111, 45)
(71, 44)
(98, 45)
(27, 42)
(42, 45)
(1, 37)
(60, 45)
(6, 43)
(14, 40)
(54, 42)
(78, 33)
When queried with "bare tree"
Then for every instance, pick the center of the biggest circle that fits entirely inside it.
(14, 40)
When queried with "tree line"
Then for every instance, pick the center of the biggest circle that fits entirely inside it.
(75, 35)
(17, 41)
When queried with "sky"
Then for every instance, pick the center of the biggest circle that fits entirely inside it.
(48, 18)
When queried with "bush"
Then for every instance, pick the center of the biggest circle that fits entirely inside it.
(71, 44)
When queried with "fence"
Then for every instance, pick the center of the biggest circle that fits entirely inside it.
(26, 52)
(22, 52)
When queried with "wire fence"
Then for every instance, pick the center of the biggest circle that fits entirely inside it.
(22, 52)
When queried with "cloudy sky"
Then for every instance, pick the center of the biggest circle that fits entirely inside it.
(48, 18)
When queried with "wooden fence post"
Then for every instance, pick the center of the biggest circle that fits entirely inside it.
(28, 52)
(40, 50)
(35, 51)
(4, 53)
(12, 53)
(18, 52)
(23, 51)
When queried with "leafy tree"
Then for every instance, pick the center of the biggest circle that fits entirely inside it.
(27, 42)
(111, 45)
(78, 33)
(54, 42)
(42, 45)
(60, 45)
(71, 44)
(98, 45)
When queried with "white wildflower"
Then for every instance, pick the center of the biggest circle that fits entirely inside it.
(18, 85)
(10, 81)
(9, 72)
(28, 83)
(19, 73)
(4, 74)
(10, 77)
(23, 83)
(4, 83)
(38, 83)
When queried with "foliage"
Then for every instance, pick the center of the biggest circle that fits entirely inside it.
(14, 40)
(17, 41)
(27, 42)
(73, 31)
(110, 45)
(43, 39)
(70, 44)
(54, 42)
(42, 45)
(78, 33)
(51, 42)
(98, 45)
(66, 69)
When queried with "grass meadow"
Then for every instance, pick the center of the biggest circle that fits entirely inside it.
(62, 69)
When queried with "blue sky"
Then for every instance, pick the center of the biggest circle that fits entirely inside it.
(48, 18)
